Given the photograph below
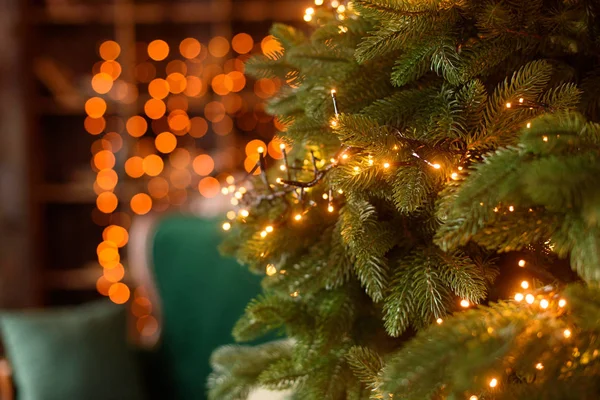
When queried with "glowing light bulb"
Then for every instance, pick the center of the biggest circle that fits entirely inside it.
(528, 125)
(493, 382)
(562, 303)
(335, 4)
(278, 180)
(522, 263)
(226, 226)
(521, 100)
(270, 270)
(260, 149)
(325, 196)
(230, 214)
(340, 191)
(344, 156)
(282, 167)
(234, 202)
(225, 191)
(495, 209)
(567, 333)
(333, 91)
(244, 213)
(436, 166)
(294, 294)
(545, 138)
(454, 176)
(370, 162)
(539, 366)
(333, 123)
(298, 217)
(307, 17)
(386, 165)
(473, 398)
(330, 208)
(508, 105)
(242, 190)
(310, 11)
(230, 179)
(319, 2)
(269, 229)
(465, 303)
(544, 303)
(530, 299)
(460, 168)
(439, 321)
(511, 209)
(395, 147)
(341, 9)
(282, 146)
(519, 297)
(356, 169)
(263, 234)
(525, 285)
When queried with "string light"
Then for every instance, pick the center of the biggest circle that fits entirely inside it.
(238, 195)
(310, 11)
(562, 303)
(298, 217)
(511, 209)
(294, 294)
(269, 229)
(319, 2)
(545, 138)
(460, 168)
(473, 398)
(263, 234)
(330, 208)
(454, 176)
(530, 299)
(340, 191)
(519, 297)
(356, 169)
(226, 226)
(521, 100)
(282, 146)
(525, 285)
(225, 191)
(344, 156)
(539, 366)
(544, 303)
(386, 165)
(465, 303)
(508, 105)
(278, 180)
(325, 196)
(244, 213)
(493, 382)
(436, 166)
(567, 333)
(271, 270)
(282, 167)
(260, 150)
(528, 125)
(307, 17)
(231, 215)
(335, 4)
(522, 263)
(439, 321)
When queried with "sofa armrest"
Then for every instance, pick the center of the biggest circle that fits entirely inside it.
(6, 384)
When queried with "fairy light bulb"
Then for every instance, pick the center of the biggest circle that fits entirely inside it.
(270, 270)
(234, 202)
(344, 156)
(263, 234)
(330, 208)
(522, 263)
(230, 180)
(493, 382)
(530, 299)
(278, 180)
(508, 105)
(340, 191)
(519, 297)
(525, 285)
(386, 165)
(225, 191)
(335, 4)
(473, 398)
(495, 209)
(567, 333)
(460, 168)
(562, 303)
(511, 208)
(307, 17)
(269, 229)
(464, 303)
(325, 196)
(226, 226)
(539, 366)
(356, 169)
(544, 303)
(310, 11)
(528, 125)
(545, 138)
(521, 100)
(260, 149)
(454, 176)
(439, 321)
(282, 167)
(294, 294)
(370, 161)
(319, 2)
(244, 213)
(242, 190)
(298, 217)
(436, 166)
(230, 214)
(238, 195)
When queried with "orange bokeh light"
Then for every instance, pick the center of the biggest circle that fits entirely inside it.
(107, 202)
(107, 179)
(203, 165)
(223, 127)
(209, 187)
(119, 293)
(177, 82)
(270, 46)
(222, 84)
(179, 120)
(242, 43)
(158, 88)
(94, 126)
(147, 326)
(158, 187)
(180, 178)
(141, 204)
(136, 126)
(158, 50)
(165, 142)
(104, 159)
(176, 66)
(105, 245)
(115, 140)
(198, 127)
(95, 107)
(180, 158)
(145, 72)
(115, 274)
(109, 50)
(214, 111)
(238, 81)
(274, 149)
(155, 108)
(153, 165)
(190, 48)
(103, 286)
(193, 87)
(250, 163)
(141, 306)
(109, 258)
(252, 147)
(111, 68)
(218, 46)
(265, 88)
(102, 83)
(134, 167)
(232, 103)
(116, 234)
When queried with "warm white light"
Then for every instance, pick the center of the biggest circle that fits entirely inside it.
(525, 285)
(298, 217)
(567, 333)
(310, 11)
(439, 321)
(530, 299)
(460, 168)
(230, 179)
(370, 162)
(230, 214)
(386, 165)
(242, 190)
(226, 226)
(465, 303)
(473, 398)
(562, 303)
(335, 4)
(238, 195)
(282, 167)
(356, 169)
(325, 196)
(244, 213)
(495, 209)
(333, 91)
(436, 166)
(521, 100)
(269, 229)
(278, 180)
(545, 138)
(519, 297)
(522, 263)
(544, 303)
(493, 383)
(508, 105)
(307, 17)
(340, 191)
(344, 156)
(330, 208)
(234, 202)
(319, 2)
(294, 294)
(263, 234)
(271, 270)
(260, 149)
(511, 209)
(529, 125)
(454, 176)
(341, 9)
(539, 366)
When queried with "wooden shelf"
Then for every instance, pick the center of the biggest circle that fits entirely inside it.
(184, 13)
(67, 193)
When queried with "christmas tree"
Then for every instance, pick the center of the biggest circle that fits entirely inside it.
(434, 229)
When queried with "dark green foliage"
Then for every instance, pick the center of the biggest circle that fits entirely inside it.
(468, 128)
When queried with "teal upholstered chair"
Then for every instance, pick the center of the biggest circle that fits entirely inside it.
(200, 296)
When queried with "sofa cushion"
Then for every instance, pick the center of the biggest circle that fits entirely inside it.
(71, 353)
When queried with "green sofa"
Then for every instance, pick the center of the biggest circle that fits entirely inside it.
(197, 297)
